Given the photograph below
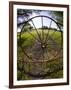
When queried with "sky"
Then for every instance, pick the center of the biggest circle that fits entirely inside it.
(38, 21)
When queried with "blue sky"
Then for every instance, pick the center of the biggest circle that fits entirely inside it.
(37, 21)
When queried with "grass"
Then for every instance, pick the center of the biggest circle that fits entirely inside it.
(27, 40)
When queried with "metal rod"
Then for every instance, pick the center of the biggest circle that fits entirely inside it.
(36, 31)
(48, 31)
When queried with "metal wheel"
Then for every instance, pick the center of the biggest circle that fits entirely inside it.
(41, 47)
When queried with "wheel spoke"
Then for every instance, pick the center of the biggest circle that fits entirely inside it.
(36, 31)
(42, 29)
(48, 31)
(33, 36)
(54, 40)
(54, 31)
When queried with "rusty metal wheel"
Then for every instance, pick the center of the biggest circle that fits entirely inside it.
(42, 46)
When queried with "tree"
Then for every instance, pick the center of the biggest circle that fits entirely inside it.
(25, 14)
(27, 27)
(58, 16)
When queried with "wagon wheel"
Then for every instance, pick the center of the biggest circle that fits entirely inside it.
(43, 46)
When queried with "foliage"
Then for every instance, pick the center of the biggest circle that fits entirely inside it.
(27, 12)
(57, 15)
(27, 27)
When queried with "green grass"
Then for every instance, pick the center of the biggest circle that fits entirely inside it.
(27, 40)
